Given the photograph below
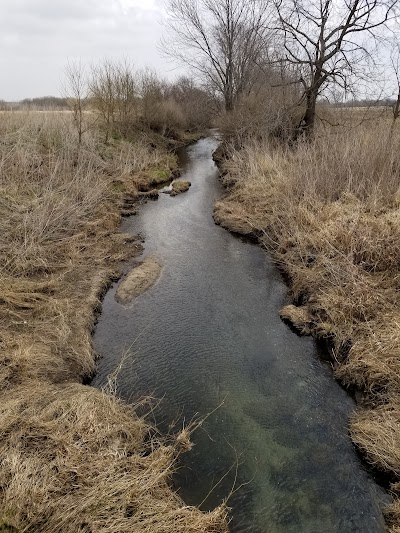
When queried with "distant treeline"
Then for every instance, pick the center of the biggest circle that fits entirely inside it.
(56, 102)
(384, 102)
(43, 102)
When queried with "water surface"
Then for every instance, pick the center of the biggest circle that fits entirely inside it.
(208, 333)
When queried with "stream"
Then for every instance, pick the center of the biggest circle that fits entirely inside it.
(208, 334)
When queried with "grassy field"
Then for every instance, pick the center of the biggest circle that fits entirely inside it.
(329, 211)
(73, 458)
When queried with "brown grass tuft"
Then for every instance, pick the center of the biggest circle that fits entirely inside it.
(75, 459)
(180, 186)
(138, 280)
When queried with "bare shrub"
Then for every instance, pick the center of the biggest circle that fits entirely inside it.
(127, 102)
(76, 94)
(159, 111)
(114, 96)
(196, 103)
(268, 111)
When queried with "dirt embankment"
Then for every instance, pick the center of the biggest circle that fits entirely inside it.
(329, 213)
(73, 458)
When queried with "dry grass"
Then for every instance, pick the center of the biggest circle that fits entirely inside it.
(329, 211)
(75, 459)
(180, 186)
(72, 458)
(139, 280)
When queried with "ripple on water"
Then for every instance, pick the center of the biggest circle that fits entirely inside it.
(208, 334)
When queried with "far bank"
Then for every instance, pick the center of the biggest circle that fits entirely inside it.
(329, 213)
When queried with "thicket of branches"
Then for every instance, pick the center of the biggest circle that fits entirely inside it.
(260, 66)
(274, 59)
(120, 100)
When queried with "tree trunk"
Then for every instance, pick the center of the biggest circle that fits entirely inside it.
(396, 113)
(228, 97)
(305, 128)
(228, 105)
(309, 116)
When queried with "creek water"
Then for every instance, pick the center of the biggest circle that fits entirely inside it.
(208, 334)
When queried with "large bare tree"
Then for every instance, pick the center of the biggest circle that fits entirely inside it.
(223, 40)
(327, 41)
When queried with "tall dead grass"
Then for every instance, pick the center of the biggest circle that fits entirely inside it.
(330, 212)
(72, 458)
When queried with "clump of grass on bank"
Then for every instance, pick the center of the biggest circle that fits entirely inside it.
(180, 186)
(330, 212)
(72, 458)
(76, 459)
(139, 280)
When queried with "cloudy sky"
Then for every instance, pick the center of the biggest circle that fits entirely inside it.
(38, 37)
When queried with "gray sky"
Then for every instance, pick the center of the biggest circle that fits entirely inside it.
(38, 37)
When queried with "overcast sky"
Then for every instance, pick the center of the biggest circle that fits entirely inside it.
(38, 37)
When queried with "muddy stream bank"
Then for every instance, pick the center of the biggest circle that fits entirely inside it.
(208, 331)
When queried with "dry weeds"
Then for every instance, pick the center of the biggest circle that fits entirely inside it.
(329, 212)
(178, 187)
(72, 458)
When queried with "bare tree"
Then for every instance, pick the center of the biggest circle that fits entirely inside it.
(327, 41)
(103, 94)
(126, 88)
(395, 62)
(76, 92)
(222, 39)
(114, 92)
